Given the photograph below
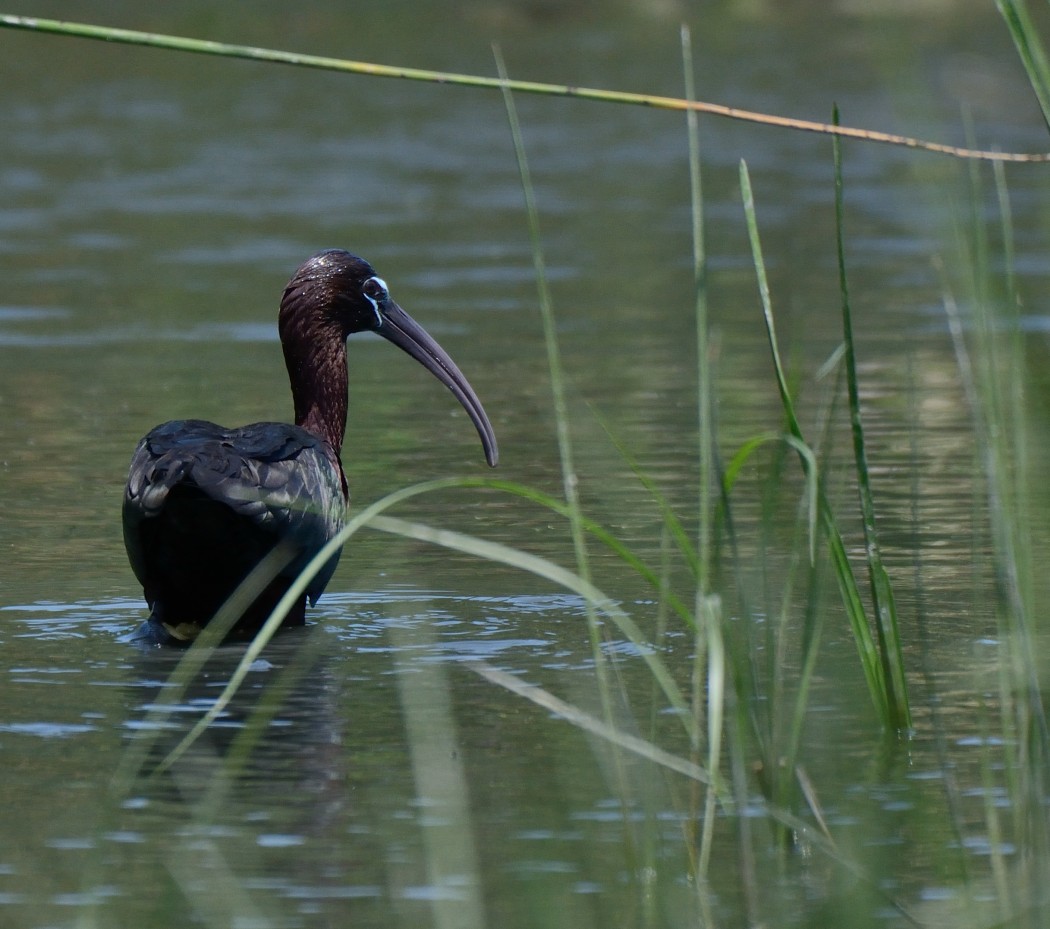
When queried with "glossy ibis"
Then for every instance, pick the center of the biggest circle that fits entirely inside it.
(204, 504)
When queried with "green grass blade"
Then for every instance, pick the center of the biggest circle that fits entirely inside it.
(1030, 49)
(570, 483)
(550, 334)
(810, 472)
(603, 535)
(585, 721)
(767, 302)
(887, 627)
(671, 521)
(292, 595)
(541, 567)
(195, 656)
(705, 405)
(193, 661)
(851, 598)
(858, 619)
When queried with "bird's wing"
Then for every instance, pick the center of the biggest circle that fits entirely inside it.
(282, 479)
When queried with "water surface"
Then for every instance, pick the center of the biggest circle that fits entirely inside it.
(152, 205)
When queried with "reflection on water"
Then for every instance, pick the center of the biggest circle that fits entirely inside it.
(307, 791)
(360, 761)
(151, 208)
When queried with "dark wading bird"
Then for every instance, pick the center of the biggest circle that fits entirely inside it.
(204, 504)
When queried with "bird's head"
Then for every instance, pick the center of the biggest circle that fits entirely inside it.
(335, 294)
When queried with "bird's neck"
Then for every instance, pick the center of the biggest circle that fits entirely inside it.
(317, 372)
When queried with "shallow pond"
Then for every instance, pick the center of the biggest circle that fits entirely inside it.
(152, 206)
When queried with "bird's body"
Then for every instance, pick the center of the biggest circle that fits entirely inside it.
(204, 504)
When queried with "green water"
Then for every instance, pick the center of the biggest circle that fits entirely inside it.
(152, 206)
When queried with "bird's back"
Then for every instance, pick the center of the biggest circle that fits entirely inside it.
(204, 504)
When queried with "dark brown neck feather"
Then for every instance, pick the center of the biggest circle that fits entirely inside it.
(315, 354)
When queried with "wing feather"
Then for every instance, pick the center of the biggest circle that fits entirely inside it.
(283, 481)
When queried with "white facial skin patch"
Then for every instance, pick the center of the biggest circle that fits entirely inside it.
(375, 303)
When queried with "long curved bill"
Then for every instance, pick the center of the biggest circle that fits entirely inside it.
(401, 329)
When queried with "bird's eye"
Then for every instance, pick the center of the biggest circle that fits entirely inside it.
(375, 292)
(375, 289)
